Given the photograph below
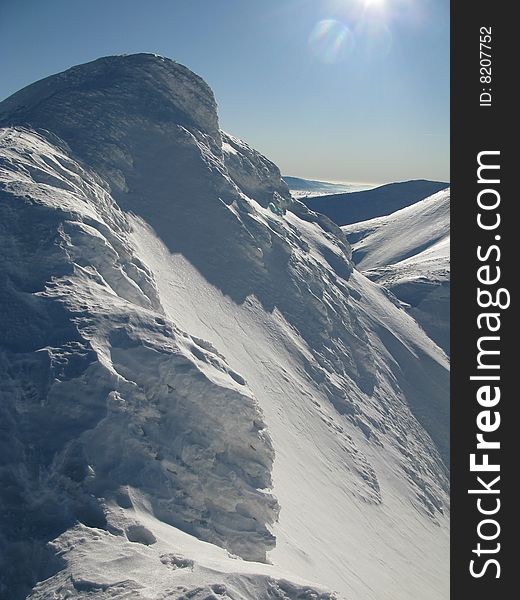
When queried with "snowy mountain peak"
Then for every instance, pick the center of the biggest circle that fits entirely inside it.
(120, 112)
(142, 85)
(106, 110)
(193, 375)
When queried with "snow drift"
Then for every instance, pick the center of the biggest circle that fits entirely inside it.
(200, 397)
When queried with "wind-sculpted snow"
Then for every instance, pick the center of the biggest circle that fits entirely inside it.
(254, 174)
(105, 108)
(193, 375)
(123, 396)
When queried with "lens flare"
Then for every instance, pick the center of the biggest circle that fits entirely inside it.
(374, 38)
(330, 41)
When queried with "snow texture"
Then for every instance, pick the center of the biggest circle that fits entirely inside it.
(200, 397)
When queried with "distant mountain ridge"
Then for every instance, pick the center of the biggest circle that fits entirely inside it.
(303, 188)
(408, 253)
(353, 207)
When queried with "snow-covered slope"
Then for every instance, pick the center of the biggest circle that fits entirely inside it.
(408, 252)
(345, 209)
(199, 396)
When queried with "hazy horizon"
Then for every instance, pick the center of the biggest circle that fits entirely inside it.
(337, 90)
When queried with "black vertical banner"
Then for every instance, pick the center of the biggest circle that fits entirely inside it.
(485, 233)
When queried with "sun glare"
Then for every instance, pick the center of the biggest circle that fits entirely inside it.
(374, 3)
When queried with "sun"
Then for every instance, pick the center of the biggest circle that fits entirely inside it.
(376, 7)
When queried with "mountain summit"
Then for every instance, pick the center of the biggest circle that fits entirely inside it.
(201, 397)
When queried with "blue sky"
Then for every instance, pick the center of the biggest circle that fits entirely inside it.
(347, 90)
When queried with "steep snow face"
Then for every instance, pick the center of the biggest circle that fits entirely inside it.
(192, 373)
(409, 253)
(100, 386)
(254, 174)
